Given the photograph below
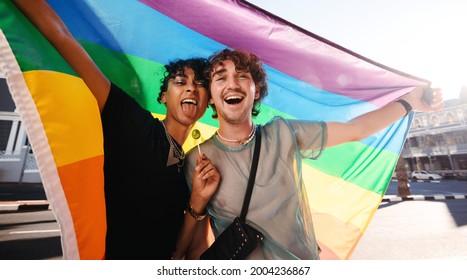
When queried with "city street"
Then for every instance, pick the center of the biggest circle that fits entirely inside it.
(31, 235)
(415, 230)
(418, 230)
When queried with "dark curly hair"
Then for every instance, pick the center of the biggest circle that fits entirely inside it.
(244, 61)
(177, 67)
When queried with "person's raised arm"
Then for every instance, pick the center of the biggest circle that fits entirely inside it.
(372, 122)
(54, 30)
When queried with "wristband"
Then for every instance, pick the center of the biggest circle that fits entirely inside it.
(407, 106)
(194, 214)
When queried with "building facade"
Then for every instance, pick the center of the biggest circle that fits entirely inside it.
(437, 142)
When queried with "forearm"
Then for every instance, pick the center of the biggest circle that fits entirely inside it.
(195, 214)
(374, 121)
(185, 236)
(203, 238)
(364, 125)
(205, 179)
(55, 31)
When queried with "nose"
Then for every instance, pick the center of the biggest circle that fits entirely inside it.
(191, 87)
(232, 82)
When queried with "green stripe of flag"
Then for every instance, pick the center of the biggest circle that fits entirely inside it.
(359, 164)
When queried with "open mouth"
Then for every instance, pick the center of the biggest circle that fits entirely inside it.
(234, 99)
(189, 107)
(189, 101)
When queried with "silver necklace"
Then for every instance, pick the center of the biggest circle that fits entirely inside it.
(243, 141)
(176, 155)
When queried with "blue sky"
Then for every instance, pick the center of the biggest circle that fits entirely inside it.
(425, 38)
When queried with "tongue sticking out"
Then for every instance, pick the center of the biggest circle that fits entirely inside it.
(189, 109)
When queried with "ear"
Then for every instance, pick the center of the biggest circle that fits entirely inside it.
(211, 101)
(257, 94)
(163, 97)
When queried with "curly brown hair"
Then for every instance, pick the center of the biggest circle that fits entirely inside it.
(244, 61)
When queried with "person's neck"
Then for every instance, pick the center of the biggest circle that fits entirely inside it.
(178, 131)
(233, 134)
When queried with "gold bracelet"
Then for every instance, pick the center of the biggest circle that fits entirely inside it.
(196, 215)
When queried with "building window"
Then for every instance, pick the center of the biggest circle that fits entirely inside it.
(434, 120)
(434, 140)
(417, 123)
(421, 141)
(415, 142)
(450, 118)
(456, 137)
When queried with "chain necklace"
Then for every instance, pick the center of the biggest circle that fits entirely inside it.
(175, 153)
(243, 141)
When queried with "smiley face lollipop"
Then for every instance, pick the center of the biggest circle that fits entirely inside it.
(196, 134)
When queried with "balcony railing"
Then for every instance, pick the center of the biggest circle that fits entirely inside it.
(17, 164)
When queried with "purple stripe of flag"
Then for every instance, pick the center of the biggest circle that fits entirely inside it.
(290, 49)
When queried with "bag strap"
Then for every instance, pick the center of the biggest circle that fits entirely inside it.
(251, 180)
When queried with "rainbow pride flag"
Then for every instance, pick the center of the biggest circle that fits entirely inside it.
(310, 78)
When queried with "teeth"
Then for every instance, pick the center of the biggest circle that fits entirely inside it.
(233, 97)
(190, 101)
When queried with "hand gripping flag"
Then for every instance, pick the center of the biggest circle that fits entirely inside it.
(310, 78)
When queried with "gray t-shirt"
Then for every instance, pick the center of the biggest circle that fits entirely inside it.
(279, 206)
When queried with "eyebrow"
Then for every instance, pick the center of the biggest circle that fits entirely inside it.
(219, 72)
(182, 75)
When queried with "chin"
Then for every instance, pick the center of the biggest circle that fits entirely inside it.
(189, 121)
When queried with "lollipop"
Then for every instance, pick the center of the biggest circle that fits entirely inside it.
(196, 134)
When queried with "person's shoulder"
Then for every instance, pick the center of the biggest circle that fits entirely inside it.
(280, 124)
(281, 121)
(191, 153)
(116, 94)
(116, 90)
(276, 121)
(120, 96)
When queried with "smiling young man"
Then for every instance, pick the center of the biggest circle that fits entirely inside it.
(278, 206)
(145, 188)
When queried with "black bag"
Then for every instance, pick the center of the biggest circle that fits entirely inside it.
(239, 239)
(236, 242)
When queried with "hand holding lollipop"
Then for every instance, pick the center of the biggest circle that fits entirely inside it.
(196, 134)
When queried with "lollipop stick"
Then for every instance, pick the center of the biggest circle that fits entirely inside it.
(196, 134)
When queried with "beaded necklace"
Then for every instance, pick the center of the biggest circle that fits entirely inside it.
(243, 141)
